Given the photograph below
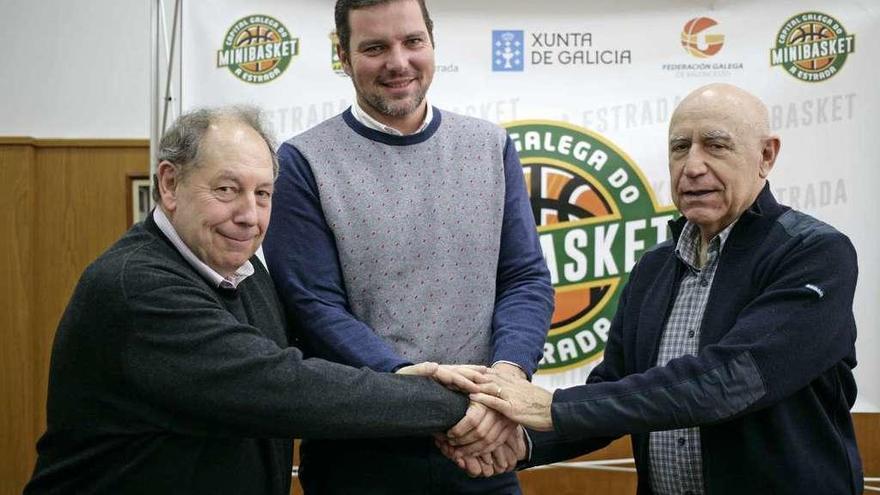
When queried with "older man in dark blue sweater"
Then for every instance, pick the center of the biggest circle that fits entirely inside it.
(730, 358)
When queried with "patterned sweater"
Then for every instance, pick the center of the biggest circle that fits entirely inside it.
(400, 249)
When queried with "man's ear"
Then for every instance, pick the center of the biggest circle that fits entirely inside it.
(768, 155)
(344, 59)
(169, 178)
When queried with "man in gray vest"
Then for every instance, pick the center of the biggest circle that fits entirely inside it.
(403, 233)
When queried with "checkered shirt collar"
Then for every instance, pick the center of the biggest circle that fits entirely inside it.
(689, 243)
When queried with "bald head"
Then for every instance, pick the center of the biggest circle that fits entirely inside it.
(732, 104)
(720, 153)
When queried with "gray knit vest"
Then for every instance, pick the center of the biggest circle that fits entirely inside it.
(417, 229)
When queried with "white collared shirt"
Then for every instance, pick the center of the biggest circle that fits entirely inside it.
(364, 118)
(214, 278)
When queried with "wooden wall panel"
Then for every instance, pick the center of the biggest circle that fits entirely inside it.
(576, 481)
(66, 204)
(16, 292)
(80, 212)
(868, 435)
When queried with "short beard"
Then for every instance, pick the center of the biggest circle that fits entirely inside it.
(383, 106)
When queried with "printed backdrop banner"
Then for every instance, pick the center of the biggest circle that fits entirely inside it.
(586, 91)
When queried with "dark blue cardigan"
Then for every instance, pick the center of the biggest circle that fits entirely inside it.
(772, 385)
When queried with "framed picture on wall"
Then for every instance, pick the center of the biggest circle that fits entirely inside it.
(138, 198)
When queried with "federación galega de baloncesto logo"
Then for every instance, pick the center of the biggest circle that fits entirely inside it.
(257, 49)
(698, 41)
(596, 214)
(812, 46)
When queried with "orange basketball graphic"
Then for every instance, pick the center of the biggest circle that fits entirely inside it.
(257, 34)
(595, 214)
(704, 47)
(559, 195)
(809, 32)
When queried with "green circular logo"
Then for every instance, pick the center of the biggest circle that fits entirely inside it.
(257, 49)
(812, 46)
(596, 214)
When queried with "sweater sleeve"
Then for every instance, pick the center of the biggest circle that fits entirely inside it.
(798, 326)
(524, 296)
(302, 258)
(209, 374)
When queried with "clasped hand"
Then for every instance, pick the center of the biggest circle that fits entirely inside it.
(489, 440)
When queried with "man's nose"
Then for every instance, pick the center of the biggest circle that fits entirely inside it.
(695, 162)
(246, 210)
(397, 58)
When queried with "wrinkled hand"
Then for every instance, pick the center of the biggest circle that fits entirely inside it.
(518, 399)
(460, 377)
(481, 431)
(509, 369)
(501, 460)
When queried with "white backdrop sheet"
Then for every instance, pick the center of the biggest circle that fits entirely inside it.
(612, 71)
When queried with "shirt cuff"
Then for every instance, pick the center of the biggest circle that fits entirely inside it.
(401, 365)
(526, 373)
(506, 362)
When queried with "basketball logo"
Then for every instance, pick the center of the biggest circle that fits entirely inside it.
(335, 62)
(560, 196)
(812, 46)
(697, 41)
(257, 49)
(596, 214)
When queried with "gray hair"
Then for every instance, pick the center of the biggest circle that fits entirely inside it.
(182, 141)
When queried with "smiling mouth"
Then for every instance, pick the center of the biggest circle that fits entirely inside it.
(237, 240)
(397, 84)
(698, 194)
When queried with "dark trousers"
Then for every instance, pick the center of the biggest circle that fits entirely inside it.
(410, 466)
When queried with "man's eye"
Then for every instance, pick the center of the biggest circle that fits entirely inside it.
(225, 192)
(373, 50)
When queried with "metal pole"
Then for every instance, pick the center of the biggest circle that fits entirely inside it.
(154, 87)
(168, 75)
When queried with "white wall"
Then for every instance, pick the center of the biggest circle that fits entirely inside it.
(75, 68)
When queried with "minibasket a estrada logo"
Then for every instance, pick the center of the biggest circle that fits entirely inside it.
(257, 49)
(596, 214)
(812, 46)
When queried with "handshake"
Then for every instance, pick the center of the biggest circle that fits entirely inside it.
(490, 439)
